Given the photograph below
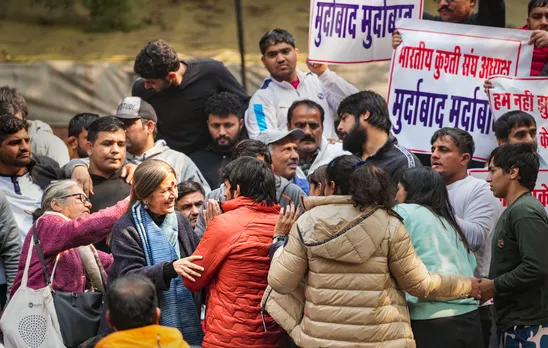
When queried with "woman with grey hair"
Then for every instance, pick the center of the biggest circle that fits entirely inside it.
(65, 223)
(154, 240)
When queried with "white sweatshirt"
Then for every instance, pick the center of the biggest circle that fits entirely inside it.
(477, 212)
(269, 105)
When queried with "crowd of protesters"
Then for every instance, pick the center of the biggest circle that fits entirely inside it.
(289, 219)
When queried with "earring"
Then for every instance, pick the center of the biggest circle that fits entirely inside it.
(146, 205)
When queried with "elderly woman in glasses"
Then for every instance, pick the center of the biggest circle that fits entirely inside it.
(64, 225)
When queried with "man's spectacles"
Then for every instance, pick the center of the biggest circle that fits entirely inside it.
(448, 1)
(82, 197)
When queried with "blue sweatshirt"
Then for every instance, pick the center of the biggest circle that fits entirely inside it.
(442, 251)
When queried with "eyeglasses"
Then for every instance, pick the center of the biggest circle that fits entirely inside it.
(82, 197)
(448, 1)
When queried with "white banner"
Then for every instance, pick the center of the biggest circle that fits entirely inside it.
(437, 75)
(529, 94)
(355, 31)
(540, 191)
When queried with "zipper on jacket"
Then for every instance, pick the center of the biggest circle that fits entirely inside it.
(263, 310)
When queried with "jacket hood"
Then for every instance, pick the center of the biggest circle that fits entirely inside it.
(159, 147)
(36, 126)
(333, 228)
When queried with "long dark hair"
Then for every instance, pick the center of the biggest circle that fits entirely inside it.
(340, 170)
(425, 187)
(371, 186)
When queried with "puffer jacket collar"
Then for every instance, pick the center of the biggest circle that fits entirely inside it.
(334, 228)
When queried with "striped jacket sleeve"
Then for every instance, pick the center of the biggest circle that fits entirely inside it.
(261, 115)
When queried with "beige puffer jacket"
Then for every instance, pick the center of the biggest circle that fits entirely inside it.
(356, 264)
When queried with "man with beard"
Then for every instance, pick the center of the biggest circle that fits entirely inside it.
(365, 126)
(225, 125)
(314, 149)
(78, 134)
(23, 176)
(516, 127)
(178, 90)
(286, 84)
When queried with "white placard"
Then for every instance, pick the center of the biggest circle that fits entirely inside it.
(529, 94)
(540, 191)
(437, 75)
(356, 31)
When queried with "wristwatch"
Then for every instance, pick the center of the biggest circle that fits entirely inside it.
(279, 238)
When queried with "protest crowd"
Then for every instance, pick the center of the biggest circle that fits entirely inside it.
(198, 216)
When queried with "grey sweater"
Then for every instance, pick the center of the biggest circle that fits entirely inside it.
(10, 243)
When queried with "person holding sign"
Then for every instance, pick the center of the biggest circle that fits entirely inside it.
(491, 13)
(516, 127)
(269, 105)
(519, 268)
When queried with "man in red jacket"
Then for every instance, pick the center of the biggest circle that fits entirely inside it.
(235, 259)
(537, 21)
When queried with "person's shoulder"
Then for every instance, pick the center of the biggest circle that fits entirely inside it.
(527, 206)
(265, 90)
(404, 157)
(124, 222)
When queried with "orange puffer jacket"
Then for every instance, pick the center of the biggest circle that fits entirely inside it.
(236, 263)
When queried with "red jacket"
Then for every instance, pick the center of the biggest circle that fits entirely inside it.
(540, 57)
(236, 263)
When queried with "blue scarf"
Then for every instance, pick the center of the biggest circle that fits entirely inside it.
(177, 304)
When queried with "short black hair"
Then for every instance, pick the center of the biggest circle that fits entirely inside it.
(340, 170)
(274, 37)
(254, 177)
(156, 60)
(358, 104)
(372, 186)
(186, 187)
(310, 103)
(461, 138)
(504, 124)
(522, 156)
(252, 148)
(534, 4)
(224, 104)
(132, 302)
(9, 125)
(104, 124)
(80, 121)
(12, 102)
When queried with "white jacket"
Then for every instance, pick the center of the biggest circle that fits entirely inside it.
(327, 152)
(45, 143)
(269, 105)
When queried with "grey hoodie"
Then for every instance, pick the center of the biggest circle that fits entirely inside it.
(10, 244)
(286, 193)
(185, 168)
(45, 143)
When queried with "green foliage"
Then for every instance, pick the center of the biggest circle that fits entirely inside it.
(105, 15)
